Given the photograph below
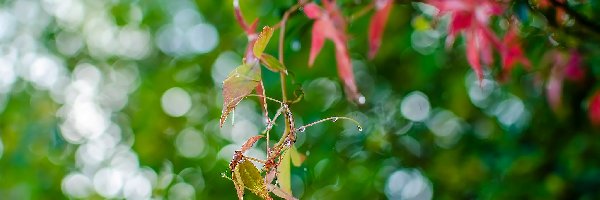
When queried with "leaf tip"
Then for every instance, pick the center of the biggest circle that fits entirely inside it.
(312, 10)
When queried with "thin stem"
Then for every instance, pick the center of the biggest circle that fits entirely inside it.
(282, 75)
(283, 88)
(283, 22)
(577, 16)
(239, 17)
(288, 125)
(279, 111)
(333, 119)
(361, 12)
(576, 33)
(256, 160)
(267, 130)
(266, 97)
(270, 126)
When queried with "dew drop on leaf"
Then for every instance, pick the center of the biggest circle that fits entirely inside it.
(334, 119)
(360, 128)
(302, 129)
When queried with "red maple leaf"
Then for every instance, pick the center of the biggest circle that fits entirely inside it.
(329, 24)
(574, 70)
(564, 66)
(377, 25)
(471, 17)
(512, 53)
(594, 109)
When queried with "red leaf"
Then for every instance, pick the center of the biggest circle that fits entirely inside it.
(238, 85)
(473, 56)
(574, 71)
(564, 66)
(558, 61)
(318, 39)
(328, 26)
(471, 18)
(460, 21)
(323, 28)
(594, 109)
(512, 52)
(377, 25)
(554, 91)
(250, 142)
(312, 11)
(335, 15)
(344, 66)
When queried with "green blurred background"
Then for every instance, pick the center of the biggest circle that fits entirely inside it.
(121, 99)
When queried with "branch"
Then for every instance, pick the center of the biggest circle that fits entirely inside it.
(578, 33)
(577, 16)
(361, 12)
(288, 119)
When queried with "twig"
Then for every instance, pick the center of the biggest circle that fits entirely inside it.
(361, 12)
(333, 119)
(555, 25)
(577, 16)
(288, 121)
(266, 97)
(238, 15)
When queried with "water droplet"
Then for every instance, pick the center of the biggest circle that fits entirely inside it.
(334, 119)
(362, 99)
(296, 45)
(302, 129)
(360, 128)
(237, 75)
(288, 143)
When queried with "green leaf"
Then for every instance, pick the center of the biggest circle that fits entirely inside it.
(272, 63)
(284, 176)
(238, 183)
(239, 84)
(297, 158)
(262, 41)
(251, 178)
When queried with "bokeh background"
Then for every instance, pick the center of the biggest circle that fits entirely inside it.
(121, 99)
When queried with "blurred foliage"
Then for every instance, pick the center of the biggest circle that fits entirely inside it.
(460, 150)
